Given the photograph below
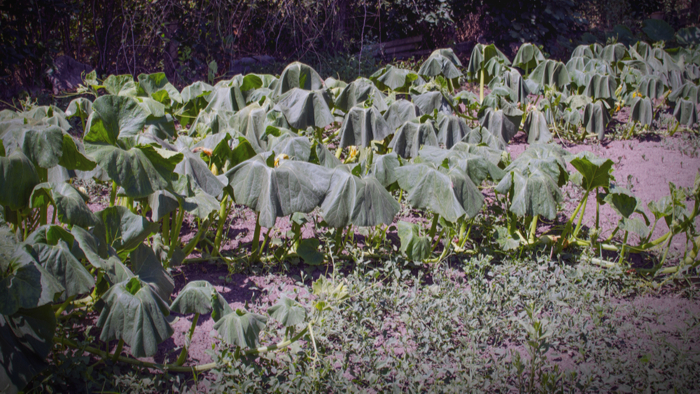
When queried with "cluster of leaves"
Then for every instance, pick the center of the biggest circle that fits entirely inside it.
(265, 142)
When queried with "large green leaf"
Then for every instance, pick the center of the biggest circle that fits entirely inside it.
(162, 203)
(428, 102)
(614, 53)
(517, 86)
(658, 30)
(241, 328)
(298, 75)
(503, 123)
(359, 201)
(70, 205)
(551, 73)
(114, 117)
(194, 167)
(304, 108)
(415, 246)
(152, 84)
(65, 268)
(451, 129)
(393, 78)
(145, 265)
(482, 136)
(652, 86)
(363, 125)
(476, 166)
(480, 57)
(26, 339)
(80, 107)
(534, 192)
(449, 193)
(140, 170)
(384, 168)
(685, 113)
(601, 87)
(400, 112)
(121, 85)
(276, 192)
(409, 138)
(437, 64)
(24, 283)
(595, 172)
(642, 110)
(528, 57)
(359, 91)
(225, 97)
(622, 201)
(135, 313)
(121, 229)
(250, 122)
(201, 297)
(194, 99)
(536, 128)
(688, 36)
(596, 118)
(689, 91)
(18, 177)
(287, 311)
(292, 145)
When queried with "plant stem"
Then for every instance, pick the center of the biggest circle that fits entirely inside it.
(256, 238)
(597, 209)
(433, 227)
(533, 230)
(64, 305)
(185, 349)
(118, 350)
(223, 215)
(166, 228)
(622, 249)
(113, 194)
(583, 212)
(193, 242)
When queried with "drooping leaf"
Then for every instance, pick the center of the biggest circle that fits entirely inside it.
(534, 193)
(614, 53)
(595, 172)
(193, 166)
(292, 187)
(415, 246)
(114, 117)
(409, 138)
(18, 177)
(479, 59)
(551, 73)
(201, 297)
(25, 284)
(596, 118)
(241, 328)
(120, 85)
(225, 97)
(292, 145)
(428, 102)
(297, 75)
(359, 91)
(688, 36)
(685, 113)
(80, 107)
(601, 87)
(502, 123)
(363, 125)
(359, 201)
(69, 203)
(134, 312)
(288, 312)
(26, 339)
(122, 230)
(384, 168)
(536, 128)
(152, 84)
(451, 129)
(304, 108)
(658, 30)
(437, 64)
(400, 112)
(250, 122)
(642, 110)
(393, 78)
(652, 86)
(528, 57)
(65, 268)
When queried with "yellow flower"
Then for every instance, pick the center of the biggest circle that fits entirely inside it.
(279, 158)
(353, 151)
(618, 108)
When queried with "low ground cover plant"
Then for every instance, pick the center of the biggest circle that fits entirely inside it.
(398, 175)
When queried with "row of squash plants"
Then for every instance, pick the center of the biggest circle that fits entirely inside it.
(296, 144)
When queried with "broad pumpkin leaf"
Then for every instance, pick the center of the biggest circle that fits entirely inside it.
(652, 86)
(43, 146)
(551, 73)
(18, 177)
(688, 36)
(362, 202)
(400, 112)
(363, 125)
(357, 93)
(428, 102)
(536, 128)
(120, 85)
(70, 205)
(409, 138)
(689, 91)
(274, 192)
(658, 30)
(437, 64)
(614, 53)
(162, 203)
(225, 97)
(384, 168)
(325, 157)
(596, 118)
(24, 283)
(193, 166)
(291, 144)
(152, 84)
(241, 328)
(228, 150)
(194, 98)
(26, 339)
(502, 123)
(394, 78)
(121, 229)
(482, 136)
(534, 192)
(297, 75)
(595, 172)
(478, 167)
(642, 110)
(201, 297)
(451, 129)
(65, 268)
(601, 87)
(451, 194)
(548, 158)
(308, 251)
(528, 57)
(304, 108)
(114, 117)
(516, 85)
(577, 63)
(135, 313)
(145, 265)
(481, 55)
(415, 246)
(623, 201)
(140, 170)
(634, 225)
(591, 51)
(80, 107)
(251, 123)
(287, 311)
(685, 113)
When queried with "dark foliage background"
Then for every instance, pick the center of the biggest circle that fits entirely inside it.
(181, 37)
